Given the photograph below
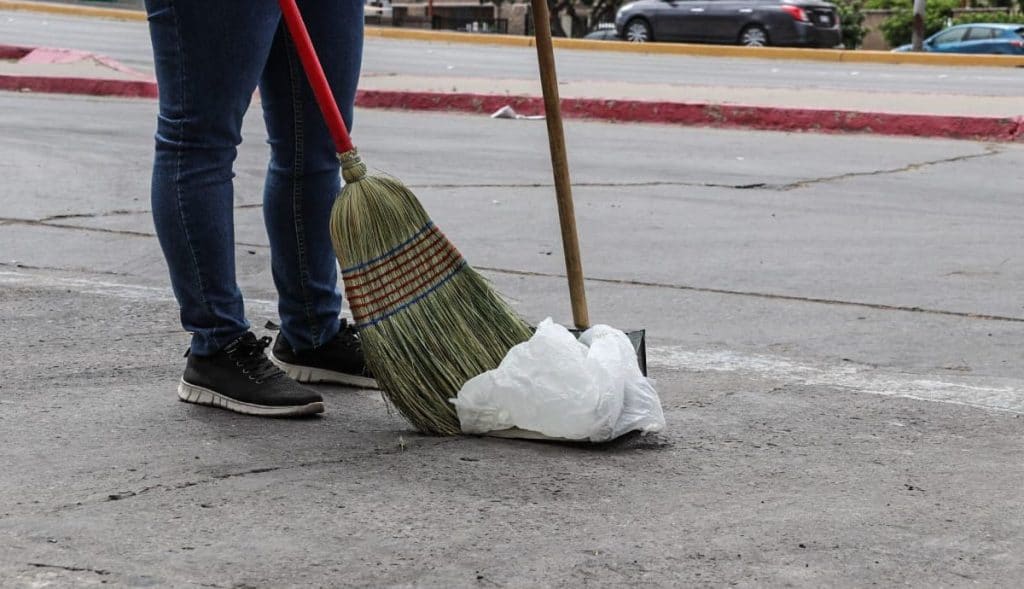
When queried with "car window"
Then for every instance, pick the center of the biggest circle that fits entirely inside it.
(981, 34)
(951, 36)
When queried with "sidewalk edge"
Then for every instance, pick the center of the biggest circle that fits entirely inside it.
(1003, 129)
(712, 115)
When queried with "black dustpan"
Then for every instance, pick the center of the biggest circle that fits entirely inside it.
(566, 210)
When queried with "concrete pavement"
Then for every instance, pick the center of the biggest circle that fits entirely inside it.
(835, 326)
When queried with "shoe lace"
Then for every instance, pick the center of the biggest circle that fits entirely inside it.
(248, 354)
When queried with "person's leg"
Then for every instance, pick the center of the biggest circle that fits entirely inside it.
(208, 57)
(303, 175)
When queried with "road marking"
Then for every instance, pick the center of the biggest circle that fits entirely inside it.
(1001, 394)
(131, 292)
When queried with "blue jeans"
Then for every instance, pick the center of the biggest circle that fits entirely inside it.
(210, 56)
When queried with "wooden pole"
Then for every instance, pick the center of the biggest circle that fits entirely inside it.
(560, 163)
(917, 26)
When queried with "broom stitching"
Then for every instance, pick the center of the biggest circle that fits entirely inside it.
(414, 301)
(434, 234)
(369, 309)
(374, 307)
(435, 258)
(382, 271)
(388, 315)
(389, 252)
(428, 239)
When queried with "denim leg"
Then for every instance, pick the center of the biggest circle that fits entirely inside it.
(303, 175)
(208, 57)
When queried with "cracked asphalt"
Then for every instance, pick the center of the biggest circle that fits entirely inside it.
(834, 325)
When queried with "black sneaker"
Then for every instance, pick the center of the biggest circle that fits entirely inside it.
(339, 361)
(240, 378)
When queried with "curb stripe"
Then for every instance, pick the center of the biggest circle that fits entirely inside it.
(84, 86)
(625, 111)
(767, 118)
(700, 50)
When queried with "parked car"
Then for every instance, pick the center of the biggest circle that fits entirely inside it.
(976, 38)
(603, 32)
(378, 12)
(755, 23)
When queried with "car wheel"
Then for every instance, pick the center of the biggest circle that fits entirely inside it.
(754, 36)
(638, 31)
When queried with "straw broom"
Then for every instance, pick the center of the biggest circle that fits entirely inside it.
(428, 322)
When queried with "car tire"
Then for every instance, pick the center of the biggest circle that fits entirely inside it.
(754, 36)
(638, 30)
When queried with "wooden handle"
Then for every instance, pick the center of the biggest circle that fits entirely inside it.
(560, 163)
(315, 74)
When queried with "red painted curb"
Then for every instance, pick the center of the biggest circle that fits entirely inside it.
(712, 115)
(87, 86)
(14, 51)
(612, 110)
(138, 88)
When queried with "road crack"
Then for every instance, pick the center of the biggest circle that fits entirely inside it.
(636, 184)
(113, 213)
(46, 223)
(990, 150)
(764, 295)
(74, 569)
(21, 266)
(425, 443)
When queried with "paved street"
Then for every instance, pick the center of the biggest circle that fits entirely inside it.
(129, 42)
(836, 329)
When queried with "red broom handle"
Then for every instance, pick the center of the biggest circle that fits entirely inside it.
(315, 74)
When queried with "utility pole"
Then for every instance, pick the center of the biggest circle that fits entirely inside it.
(918, 25)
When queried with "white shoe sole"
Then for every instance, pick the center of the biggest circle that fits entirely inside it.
(191, 393)
(310, 375)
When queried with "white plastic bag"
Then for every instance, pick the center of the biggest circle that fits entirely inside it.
(554, 385)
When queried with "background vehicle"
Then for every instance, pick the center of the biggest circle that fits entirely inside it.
(377, 11)
(603, 32)
(976, 38)
(755, 23)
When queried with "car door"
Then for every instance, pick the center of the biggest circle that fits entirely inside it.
(684, 20)
(948, 41)
(980, 39)
(723, 19)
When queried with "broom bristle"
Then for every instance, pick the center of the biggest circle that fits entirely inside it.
(428, 322)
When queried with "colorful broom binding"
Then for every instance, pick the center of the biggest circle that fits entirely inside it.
(428, 322)
(388, 284)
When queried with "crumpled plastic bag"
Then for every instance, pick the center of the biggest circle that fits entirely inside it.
(560, 387)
